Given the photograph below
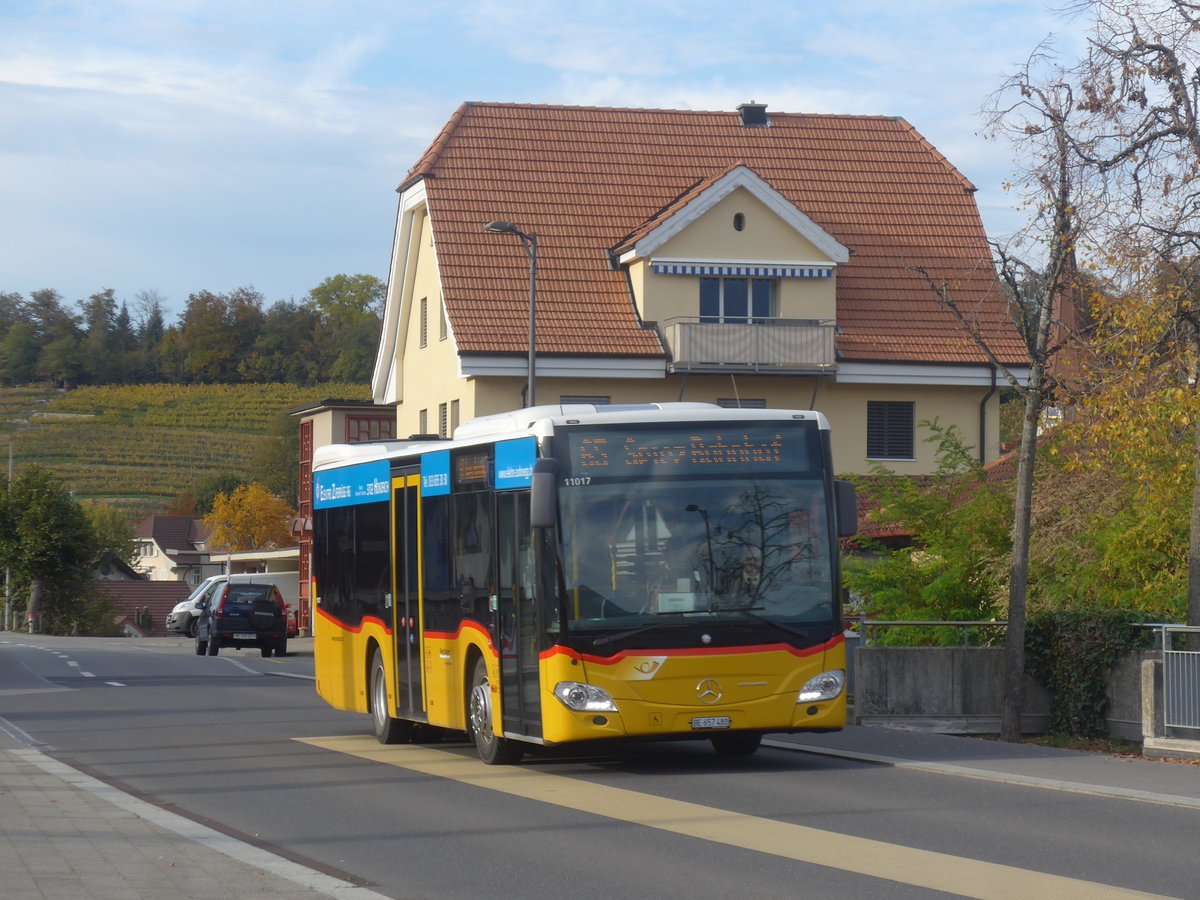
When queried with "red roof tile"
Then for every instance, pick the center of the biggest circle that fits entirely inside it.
(587, 180)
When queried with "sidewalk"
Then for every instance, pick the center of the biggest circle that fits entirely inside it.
(65, 835)
(1130, 778)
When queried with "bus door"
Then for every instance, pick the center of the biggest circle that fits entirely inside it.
(516, 622)
(405, 484)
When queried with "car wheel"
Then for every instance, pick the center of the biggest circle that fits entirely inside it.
(281, 647)
(201, 646)
(387, 729)
(736, 743)
(190, 631)
(213, 645)
(265, 650)
(493, 749)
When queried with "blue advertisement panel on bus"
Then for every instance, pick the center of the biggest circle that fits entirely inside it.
(364, 483)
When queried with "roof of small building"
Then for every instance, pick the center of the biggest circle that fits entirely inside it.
(179, 534)
(588, 180)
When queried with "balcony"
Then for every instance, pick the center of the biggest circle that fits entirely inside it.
(786, 346)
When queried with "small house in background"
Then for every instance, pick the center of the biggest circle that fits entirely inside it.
(174, 548)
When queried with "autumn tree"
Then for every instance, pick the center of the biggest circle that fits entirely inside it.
(1141, 83)
(250, 518)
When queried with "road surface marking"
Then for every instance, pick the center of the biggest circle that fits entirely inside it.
(891, 862)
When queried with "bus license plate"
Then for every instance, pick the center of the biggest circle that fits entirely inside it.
(704, 723)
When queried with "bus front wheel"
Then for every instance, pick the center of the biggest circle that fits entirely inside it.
(493, 749)
(387, 729)
(736, 743)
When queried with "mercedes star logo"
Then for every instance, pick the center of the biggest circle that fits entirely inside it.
(709, 690)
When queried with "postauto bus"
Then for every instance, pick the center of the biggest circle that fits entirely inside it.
(577, 573)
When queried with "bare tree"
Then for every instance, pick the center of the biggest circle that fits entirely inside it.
(1033, 110)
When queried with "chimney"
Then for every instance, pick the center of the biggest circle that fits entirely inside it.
(754, 115)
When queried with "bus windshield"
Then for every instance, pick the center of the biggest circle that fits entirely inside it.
(698, 542)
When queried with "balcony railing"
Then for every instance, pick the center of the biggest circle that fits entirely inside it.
(768, 345)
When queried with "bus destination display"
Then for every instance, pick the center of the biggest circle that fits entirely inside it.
(719, 450)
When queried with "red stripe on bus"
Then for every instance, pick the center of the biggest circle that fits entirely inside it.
(342, 626)
(693, 651)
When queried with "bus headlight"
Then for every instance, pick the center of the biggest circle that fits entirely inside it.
(584, 697)
(825, 686)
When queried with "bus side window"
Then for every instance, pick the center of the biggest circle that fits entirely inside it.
(474, 545)
(441, 602)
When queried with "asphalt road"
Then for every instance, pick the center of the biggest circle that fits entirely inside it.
(237, 743)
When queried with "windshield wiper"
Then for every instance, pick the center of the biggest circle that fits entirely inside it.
(621, 635)
(782, 626)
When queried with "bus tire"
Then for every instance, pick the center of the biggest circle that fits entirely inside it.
(493, 749)
(737, 743)
(387, 729)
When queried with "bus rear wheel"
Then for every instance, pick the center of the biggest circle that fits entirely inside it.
(387, 729)
(493, 749)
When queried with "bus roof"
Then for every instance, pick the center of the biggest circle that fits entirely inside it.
(542, 420)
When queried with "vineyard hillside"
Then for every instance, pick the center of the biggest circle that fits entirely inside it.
(138, 446)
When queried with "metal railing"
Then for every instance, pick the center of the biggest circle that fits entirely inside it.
(867, 627)
(1181, 676)
(700, 345)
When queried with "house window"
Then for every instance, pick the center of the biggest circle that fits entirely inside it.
(443, 328)
(423, 422)
(369, 428)
(453, 415)
(891, 429)
(742, 403)
(424, 321)
(442, 419)
(734, 300)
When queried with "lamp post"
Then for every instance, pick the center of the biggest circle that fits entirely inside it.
(712, 575)
(529, 242)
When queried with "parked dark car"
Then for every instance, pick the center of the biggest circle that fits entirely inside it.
(243, 614)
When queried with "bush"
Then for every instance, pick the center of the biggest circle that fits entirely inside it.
(1070, 652)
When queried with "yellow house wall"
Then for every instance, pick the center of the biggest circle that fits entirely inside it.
(765, 237)
(844, 405)
(428, 375)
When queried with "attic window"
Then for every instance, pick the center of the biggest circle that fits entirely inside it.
(739, 221)
(754, 115)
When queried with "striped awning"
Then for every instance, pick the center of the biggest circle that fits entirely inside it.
(741, 271)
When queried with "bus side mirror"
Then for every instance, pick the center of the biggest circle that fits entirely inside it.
(543, 494)
(847, 507)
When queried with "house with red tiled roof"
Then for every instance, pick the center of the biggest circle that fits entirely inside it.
(174, 548)
(747, 258)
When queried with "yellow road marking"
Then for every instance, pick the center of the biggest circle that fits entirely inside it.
(907, 865)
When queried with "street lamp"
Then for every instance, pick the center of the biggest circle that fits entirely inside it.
(529, 241)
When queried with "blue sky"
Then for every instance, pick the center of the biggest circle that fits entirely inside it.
(183, 145)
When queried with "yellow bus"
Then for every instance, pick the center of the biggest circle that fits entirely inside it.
(577, 573)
